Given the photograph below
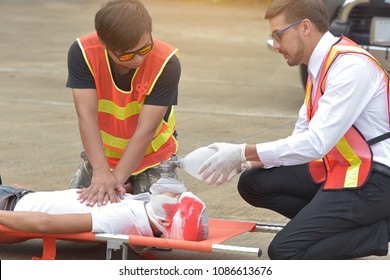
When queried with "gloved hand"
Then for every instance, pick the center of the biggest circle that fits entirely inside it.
(226, 161)
(238, 170)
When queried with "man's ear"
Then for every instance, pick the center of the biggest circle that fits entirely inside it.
(163, 222)
(307, 25)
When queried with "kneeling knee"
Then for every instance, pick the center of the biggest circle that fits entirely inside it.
(245, 186)
(280, 250)
(274, 252)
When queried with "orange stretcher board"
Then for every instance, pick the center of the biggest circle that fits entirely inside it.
(219, 231)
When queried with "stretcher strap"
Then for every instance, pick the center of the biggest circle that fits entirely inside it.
(49, 248)
(49, 243)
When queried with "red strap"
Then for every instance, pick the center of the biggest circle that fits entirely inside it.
(49, 248)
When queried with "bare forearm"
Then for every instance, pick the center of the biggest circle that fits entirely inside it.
(149, 120)
(92, 142)
(46, 223)
(87, 113)
(132, 156)
(252, 156)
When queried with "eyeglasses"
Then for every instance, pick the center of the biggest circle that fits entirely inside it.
(130, 55)
(277, 35)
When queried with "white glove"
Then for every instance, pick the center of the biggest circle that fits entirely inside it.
(224, 164)
(244, 166)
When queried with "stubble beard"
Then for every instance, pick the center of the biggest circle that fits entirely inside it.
(296, 59)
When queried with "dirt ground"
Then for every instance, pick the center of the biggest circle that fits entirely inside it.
(233, 89)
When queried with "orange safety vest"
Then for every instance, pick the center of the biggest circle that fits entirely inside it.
(118, 110)
(348, 164)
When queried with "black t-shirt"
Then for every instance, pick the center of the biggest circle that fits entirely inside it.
(164, 93)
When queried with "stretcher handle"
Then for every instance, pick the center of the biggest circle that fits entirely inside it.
(268, 227)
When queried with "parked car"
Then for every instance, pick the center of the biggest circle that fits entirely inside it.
(367, 22)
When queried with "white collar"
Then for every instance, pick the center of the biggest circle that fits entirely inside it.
(319, 53)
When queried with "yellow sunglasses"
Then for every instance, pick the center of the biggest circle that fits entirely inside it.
(130, 55)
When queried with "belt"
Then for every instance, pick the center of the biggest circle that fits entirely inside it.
(381, 168)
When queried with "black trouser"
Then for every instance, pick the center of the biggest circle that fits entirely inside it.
(338, 224)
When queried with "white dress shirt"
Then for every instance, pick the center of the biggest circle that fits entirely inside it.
(355, 94)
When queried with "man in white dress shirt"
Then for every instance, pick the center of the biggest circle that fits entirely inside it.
(331, 177)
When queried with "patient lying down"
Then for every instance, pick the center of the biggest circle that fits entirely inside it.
(168, 212)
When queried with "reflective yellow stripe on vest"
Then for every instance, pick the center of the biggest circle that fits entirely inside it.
(121, 113)
(352, 174)
(115, 145)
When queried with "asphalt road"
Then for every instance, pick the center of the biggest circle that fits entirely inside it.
(233, 89)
